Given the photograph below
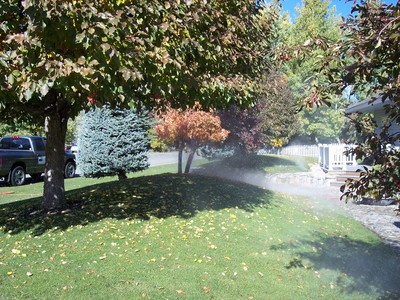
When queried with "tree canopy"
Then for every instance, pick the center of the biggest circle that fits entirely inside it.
(57, 57)
(367, 60)
(315, 20)
(272, 121)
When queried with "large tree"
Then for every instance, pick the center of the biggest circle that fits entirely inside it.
(278, 111)
(270, 121)
(56, 55)
(315, 19)
(368, 60)
(245, 130)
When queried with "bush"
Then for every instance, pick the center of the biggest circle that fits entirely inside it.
(113, 142)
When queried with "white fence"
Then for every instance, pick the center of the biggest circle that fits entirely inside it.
(301, 150)
(331, 157)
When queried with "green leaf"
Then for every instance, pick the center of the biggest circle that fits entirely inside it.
(16, 73)
(10, 79)
(28, 94)
(81, 60)
(44, 89)
(79, 37)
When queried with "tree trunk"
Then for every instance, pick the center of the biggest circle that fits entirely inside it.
(122, 175)
(189, 162)
(56, 119)
(180, 154)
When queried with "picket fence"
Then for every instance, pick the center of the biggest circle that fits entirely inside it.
(301, 150)
(331, 157)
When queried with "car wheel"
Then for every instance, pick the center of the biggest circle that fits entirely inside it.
(69, 170)
(17, 176)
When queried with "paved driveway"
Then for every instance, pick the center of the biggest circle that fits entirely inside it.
(165, 158)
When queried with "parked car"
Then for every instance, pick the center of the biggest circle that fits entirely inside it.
(21, 155)
(74, 149)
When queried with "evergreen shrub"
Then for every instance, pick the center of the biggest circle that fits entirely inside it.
(113, 142)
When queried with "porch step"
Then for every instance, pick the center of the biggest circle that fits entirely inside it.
(344, 173)
(341, 177)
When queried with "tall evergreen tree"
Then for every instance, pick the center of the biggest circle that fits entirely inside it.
(315, 20)
(113, 142)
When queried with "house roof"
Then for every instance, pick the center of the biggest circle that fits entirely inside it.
(366, 106)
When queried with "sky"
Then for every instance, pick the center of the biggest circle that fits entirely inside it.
(342, 7)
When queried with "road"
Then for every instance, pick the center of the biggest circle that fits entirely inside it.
(155, 159)
(165, 158)
(161, 158)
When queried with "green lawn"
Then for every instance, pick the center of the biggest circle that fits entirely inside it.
(268, 163)
(10, 194)
(165, 236)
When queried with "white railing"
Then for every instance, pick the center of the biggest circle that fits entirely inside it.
(332, 157)
(301, 150)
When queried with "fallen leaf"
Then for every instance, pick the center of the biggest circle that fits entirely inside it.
(182, 292)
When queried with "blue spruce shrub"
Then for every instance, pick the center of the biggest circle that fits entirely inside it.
(113, 142)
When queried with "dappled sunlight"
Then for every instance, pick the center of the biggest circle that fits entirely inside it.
(159, 196)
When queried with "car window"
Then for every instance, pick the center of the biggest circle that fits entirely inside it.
(5, 144)
(15, 144)
(39, 145)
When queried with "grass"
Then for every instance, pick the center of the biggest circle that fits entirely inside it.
(164, 236)
(10, 194)
(268, 163)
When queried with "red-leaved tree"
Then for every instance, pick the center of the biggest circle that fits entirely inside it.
(188, 129)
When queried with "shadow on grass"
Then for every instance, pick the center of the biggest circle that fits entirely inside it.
(362, 266)
(159, 196)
